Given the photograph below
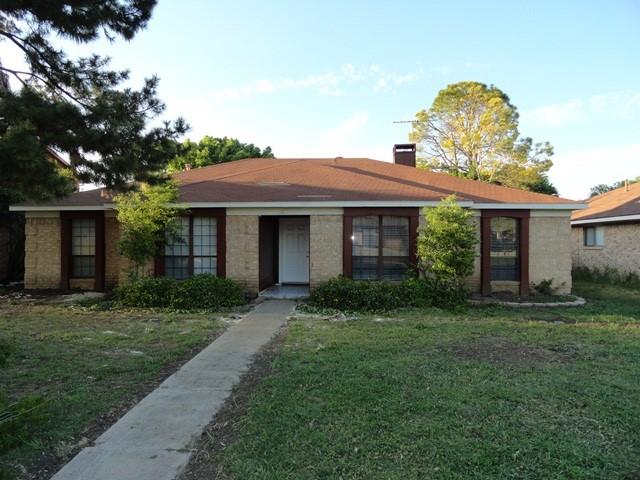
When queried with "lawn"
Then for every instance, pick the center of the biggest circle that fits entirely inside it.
(89, 367)
(488, 393)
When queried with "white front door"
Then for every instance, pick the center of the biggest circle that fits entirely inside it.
(294, 250)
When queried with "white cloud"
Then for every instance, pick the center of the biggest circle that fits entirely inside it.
(575, 172)
(331, 83)
(341, 135)
(616, 104)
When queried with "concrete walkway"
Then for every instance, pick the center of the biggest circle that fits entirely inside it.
(153, 440)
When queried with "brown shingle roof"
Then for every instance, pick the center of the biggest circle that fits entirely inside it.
(326, 179)
(616, 203)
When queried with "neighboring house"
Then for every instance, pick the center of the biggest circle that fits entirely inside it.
(606, 235)
(266, 221)
(12, 235)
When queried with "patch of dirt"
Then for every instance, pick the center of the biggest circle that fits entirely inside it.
(501, 351)
(49, 463)
(223, 430)
(553, 319)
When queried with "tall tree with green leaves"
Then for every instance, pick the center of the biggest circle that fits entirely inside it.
(212, 150)
(471, 131)
(77, 106)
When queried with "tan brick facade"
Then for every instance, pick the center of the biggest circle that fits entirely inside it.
(550, 249)
(325, 242)
(42, 250)
(242, 251)
(621, 249)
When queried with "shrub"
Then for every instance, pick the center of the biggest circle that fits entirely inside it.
(446, 245)
(545, 287)
(608, 275)
(344, 294)
(205, 291)
(146, 293)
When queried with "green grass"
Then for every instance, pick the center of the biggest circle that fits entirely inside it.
(487, 393)
(85, 363)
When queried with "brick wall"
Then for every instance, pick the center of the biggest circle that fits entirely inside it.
(42, 250)
(550, 249)
(242, 251)
(621, 250)
(325, 255)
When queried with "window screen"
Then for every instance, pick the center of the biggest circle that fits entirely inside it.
(365, 249)
(505, 249)
(83, 248)
(204, 245)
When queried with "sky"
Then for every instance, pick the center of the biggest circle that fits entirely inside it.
(325, 79)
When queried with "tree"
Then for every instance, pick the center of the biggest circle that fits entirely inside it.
(471, 131)
(210, 150)
(146, 216)
(446, 245)
(75, 105)
(604, 188)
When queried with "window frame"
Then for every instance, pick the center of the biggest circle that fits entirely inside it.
(596, 229)
(66, 265)
(485, 247)
(347, 250)
(220, 216)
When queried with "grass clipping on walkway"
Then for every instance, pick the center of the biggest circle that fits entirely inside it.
(488, 394)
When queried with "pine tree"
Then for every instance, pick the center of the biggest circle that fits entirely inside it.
(76, 106)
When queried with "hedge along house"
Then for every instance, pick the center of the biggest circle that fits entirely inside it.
(270, 221)
(606, 235)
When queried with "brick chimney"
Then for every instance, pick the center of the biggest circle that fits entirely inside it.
(405, 154)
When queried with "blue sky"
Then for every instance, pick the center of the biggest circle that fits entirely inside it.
(329, 78)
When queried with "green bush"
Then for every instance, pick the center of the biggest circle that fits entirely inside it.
(344, 294)
(206, 292)
(609, 275)
(146, 293)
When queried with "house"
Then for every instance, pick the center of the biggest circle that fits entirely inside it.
(606, 235)
(269, 221)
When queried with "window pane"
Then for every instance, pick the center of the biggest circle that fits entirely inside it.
(364, 268)
(395, 236)
(599, 234)
(589, 236)
(204, 236)
(365, 238)
(83, 236)
(178, 245)
(83, 267)
(505, 249)
(204, 265)
(176, 267)
(395, 268)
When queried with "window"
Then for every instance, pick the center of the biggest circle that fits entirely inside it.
(593, 237)
(176, 252)
(83, 248)
(193, 250)
(380, 247)
(505, 249)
